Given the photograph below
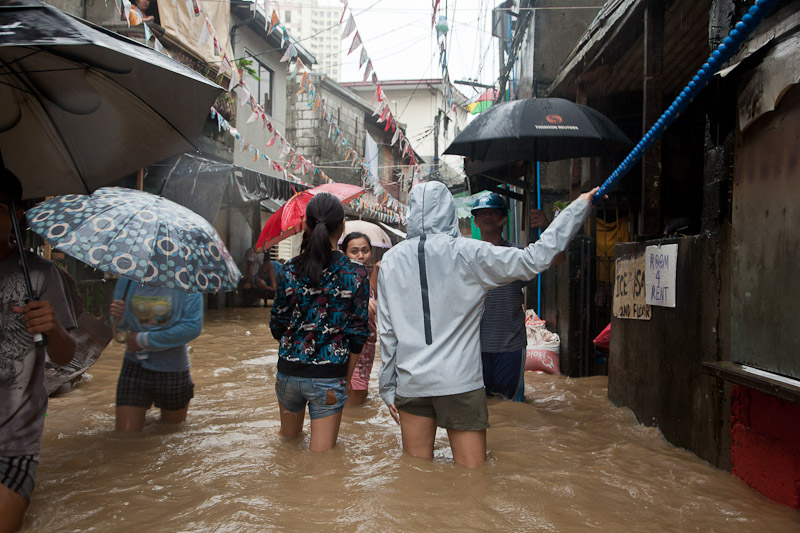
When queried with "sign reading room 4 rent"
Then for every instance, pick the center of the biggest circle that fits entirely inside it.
(661, 265)
(629, 289)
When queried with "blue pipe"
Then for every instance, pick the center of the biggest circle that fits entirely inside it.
(718, 57)
(539, 230)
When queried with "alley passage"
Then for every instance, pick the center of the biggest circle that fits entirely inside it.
(567, 460)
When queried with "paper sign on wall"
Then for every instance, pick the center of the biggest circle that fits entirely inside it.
(661, 265)
(629, 300)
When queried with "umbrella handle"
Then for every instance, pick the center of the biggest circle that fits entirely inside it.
(39, 339)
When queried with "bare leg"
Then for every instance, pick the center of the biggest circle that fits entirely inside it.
(12, 510)
(130, 418)
(355, 397)
(324, 432)
(291, 423)
(174, 417)
(418, 434)
(469, 447)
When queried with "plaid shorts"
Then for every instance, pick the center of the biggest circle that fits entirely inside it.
(140, 387)
(17, 474)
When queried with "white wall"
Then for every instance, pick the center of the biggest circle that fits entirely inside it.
(254, 133)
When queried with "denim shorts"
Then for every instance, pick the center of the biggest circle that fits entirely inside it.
(324, 396)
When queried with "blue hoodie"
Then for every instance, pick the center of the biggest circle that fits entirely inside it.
(167, 320)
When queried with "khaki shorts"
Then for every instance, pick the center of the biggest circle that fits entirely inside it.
(462, 412)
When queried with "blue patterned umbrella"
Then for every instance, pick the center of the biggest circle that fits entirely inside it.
(138, 236)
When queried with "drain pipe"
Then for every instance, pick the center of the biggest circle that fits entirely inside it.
(718, 57)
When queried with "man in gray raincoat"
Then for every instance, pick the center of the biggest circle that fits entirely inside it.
(431, 290)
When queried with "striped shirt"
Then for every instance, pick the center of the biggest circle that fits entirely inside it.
(503, 320)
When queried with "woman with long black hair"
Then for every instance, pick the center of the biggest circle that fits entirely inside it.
(319, 317)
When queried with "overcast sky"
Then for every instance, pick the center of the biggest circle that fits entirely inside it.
(401, 42)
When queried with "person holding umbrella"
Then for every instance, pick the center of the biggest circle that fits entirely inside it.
(158, 322)
(319, 317)
(431, 291)
(23, 397)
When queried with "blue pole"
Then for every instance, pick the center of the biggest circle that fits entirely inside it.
(539, 231)
(718, 57)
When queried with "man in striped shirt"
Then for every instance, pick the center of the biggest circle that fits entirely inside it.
(503, 337)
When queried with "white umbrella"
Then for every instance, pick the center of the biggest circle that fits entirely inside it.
(375, 234)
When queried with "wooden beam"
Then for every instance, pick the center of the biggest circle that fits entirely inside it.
(650, 214)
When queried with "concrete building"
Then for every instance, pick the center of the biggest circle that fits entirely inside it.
(309, 132)
(430, 125)
(718, 372)
(317, 28)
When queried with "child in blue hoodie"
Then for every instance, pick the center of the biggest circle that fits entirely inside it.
(159, 322)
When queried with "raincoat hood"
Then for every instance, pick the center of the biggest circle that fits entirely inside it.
(432, 210)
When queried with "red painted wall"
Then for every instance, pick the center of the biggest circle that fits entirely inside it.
(765, 444)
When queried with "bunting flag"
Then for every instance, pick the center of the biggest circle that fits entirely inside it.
(343, 10)
(204, 34)
(368, 70)
(266, 10)
(273, 22)
(349, 27)
(356, 43)
(285, 38)
(290, 53)
(374, 79)
(363, 59)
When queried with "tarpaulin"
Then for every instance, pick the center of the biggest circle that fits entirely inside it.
(191, 32)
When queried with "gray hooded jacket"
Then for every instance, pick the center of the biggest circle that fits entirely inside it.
(431, 290)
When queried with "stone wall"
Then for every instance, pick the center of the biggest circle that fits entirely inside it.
(308, 132)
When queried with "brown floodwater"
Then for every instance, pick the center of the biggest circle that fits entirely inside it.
(566, 460)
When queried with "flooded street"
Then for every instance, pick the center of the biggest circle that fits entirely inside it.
(566, 460)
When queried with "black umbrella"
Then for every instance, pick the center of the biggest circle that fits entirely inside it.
(538, 129)
(81, 106)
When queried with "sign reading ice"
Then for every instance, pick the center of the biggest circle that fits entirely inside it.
(660, 266)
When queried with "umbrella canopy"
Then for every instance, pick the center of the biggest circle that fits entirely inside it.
(81, 106)
(375, 234)
(139, 236)
(290, 217)
(538, 129)
(483, 101)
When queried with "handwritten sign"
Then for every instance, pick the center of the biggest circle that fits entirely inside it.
(661, 265)
(629, 300)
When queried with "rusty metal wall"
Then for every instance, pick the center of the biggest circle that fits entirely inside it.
(765, 293)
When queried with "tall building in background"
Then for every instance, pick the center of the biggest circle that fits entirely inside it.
(317, 28)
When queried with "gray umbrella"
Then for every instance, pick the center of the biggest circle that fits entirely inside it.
(81, 106)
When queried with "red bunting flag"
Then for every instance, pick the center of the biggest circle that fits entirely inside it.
(356, 43)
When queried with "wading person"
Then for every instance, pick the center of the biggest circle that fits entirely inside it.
(319, 317)
(155, 370)
(357, 247)
(503, 336)
(431, 290)
(23, 397)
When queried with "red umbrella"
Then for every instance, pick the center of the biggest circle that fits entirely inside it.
(290, 218)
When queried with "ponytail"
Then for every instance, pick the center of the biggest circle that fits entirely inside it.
(324, 215)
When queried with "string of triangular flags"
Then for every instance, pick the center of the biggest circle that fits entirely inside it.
(382, 108)
(441, 39)
(289, 156)
(369, 180)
